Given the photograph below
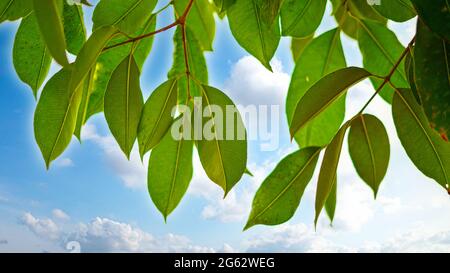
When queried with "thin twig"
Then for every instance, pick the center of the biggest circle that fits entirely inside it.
(387, 79)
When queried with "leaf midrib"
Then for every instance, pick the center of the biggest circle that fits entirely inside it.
(259, 25)
(298, 17)
(311, 159)
(7, 8)
(174, 177)
(132, 8)
(441, 164)
(371, 151)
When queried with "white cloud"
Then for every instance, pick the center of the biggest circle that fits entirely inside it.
(107, 235)
(45, 228)
(250, 83)
(64, 162)
(60, 215)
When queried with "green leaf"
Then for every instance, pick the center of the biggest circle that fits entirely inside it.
(30, 56)
(88, 55)
(74, 29)
(368, 144)
(224, 5)
(197, 65)
(56, 114)
(123, 104)
(362, 10)
(82, 111)
(381, 49)
(12, 10)
(223, 156)
(49, 18)
(330, 204)
(279, 196)
(426, 149)
(170, 172)
(108, 61)
(347, 23)
(322, 56)
(127, 15)
(327, 175)
(323, 93)
(269, 10)
(156, 116)
(255, 36)
(298, 45)
(301, 18)
(200, 21)
(409, 70)
(432, 77)
(436, 15)
(396, 10)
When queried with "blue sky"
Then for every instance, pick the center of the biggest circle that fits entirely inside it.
(93, 195)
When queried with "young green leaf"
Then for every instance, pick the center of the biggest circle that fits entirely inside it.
(74, 29)
(197, 65)
(368, 144)
(432, 77)
(323, 93)
(223, 155)
(270, 10)
(200, 21)
(170, 172)
(88, 55)
(330, 204)
(426, 149)
(409, 70)
(256, 37)
(108, 61)
(56, 114)
(436, 15)
(381, 49)
(15, 9)
(396, 10)
(345, 21)
(127, 15)
(156, 117)
(327, 175)
(224, 5)
(49, 18)
(30, 55)
(123, 104)
(322, 56)
(301, 18)
(82, 111)
(298, 45)
(279, 196)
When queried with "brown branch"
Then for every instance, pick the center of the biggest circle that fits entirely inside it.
(387, 79)
(179, 21)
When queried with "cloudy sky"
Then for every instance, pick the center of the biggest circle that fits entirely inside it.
(94, 196)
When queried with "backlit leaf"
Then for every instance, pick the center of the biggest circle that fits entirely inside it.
(30, 55)
(12, 10)
(123, 104)
(127, 15)
(330, 204)
(298, 45)
(396, 10)
(223, 154)
(368, 145)
(156, 116)
(200, 21)
(49, 18)
(426, 149)
(74, 29)
(169, 172)
(381, 49)
(327, 175)
(322, 56)
(256, 37)
(56, 114)
(323, 93)
(300, 18)
(279, 196)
